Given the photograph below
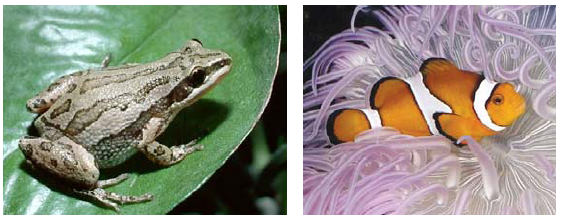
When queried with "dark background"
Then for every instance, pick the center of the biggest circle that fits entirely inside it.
(323, 21)
(238, 187)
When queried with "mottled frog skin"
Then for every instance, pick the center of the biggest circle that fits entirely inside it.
(98, 118)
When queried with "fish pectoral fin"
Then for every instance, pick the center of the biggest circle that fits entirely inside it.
(477, 138)
(454, 126)
(437, 65)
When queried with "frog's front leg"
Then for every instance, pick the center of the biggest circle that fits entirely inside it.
(73, 163)
(159, 153)
(167, 156)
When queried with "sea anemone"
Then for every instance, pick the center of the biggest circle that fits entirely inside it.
(385, 172)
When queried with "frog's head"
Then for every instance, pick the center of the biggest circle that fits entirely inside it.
(202, 69)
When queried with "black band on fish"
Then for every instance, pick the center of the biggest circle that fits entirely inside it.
(427, 103)
(375, 88)
(423, 67)
(419, 94)
(355, 122)
(477, 83)
(482, 95)
(331, 126)
(441, 131)
(489, 99)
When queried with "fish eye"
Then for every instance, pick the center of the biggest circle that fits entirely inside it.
(498, 99)
(197, 78)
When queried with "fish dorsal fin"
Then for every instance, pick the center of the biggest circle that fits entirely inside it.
(435, 65)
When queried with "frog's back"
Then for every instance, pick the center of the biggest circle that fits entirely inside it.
(108, 109)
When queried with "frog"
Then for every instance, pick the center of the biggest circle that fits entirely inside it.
(100, 117)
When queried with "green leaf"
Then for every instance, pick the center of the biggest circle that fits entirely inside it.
(42, 43)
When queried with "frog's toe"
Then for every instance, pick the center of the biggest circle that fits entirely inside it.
(190, 148)
(122, 199)
(192, 145)
(113, 205)
(111, 199)
(100, 196)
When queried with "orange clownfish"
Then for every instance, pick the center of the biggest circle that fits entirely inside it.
(440, 100)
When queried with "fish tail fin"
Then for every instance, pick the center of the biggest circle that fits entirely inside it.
(344, 124)
(437, 65)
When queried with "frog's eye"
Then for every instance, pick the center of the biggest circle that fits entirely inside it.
(198, 41)
(498, 99)
(197, 78)
(224, 62)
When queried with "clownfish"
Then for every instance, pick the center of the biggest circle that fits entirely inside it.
(440, 100)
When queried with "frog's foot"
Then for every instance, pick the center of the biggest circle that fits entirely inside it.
(166, 156)
(113, 200)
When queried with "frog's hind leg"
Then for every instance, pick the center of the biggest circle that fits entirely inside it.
(63, 158)
(71, 162)
(65, 84)
(111, 199)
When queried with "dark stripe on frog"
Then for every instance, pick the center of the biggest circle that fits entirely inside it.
(132, 134)
(203, 56)
(53, 86)
(61, 109)
(93, 83)
(63, 80)
(71, 88)
(85, 117)
(49, 124)
(97, 82)
(122, 67)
